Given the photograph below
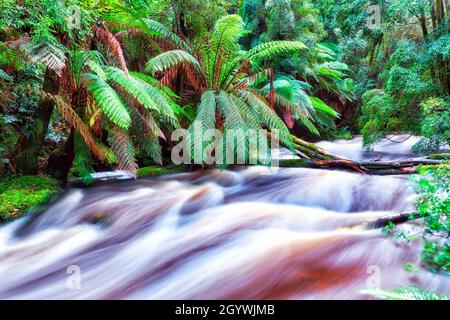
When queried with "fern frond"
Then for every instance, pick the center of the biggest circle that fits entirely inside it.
(233, 118)
(322, 107)
(272, 49)
(154, 82)
(226, 34)
(257, 77)
(109, 101)
(305, 121)
(149, 97)
(108, 39)
(153, 149)
(4, 75)
(335, 65)
(169, 59)
(49, 54)
(167, 109)
(68, 114)
(10, 54)
(266, 114)
(206, 113)
(97, 69)
(296, 110)
(246, 112)
(123, 149)
(144, 121)
(234, 122)
(327, 73)
(154, 28)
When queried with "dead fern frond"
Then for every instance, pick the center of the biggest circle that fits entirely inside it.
(110, 41)
(67, 112)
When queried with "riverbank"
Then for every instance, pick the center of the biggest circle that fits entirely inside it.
(19, 195)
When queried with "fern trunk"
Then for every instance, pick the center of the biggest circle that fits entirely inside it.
(29, 147)
(61, 160)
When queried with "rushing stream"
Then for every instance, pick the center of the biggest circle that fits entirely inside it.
(252, 234)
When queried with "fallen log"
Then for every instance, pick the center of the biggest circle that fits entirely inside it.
(364, 167)
(312, 151)
(396, 218)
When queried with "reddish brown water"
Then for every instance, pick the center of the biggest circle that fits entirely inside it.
(249, 234)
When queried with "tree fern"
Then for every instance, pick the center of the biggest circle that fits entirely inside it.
(221, 75)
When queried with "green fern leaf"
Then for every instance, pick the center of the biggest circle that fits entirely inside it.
(109, 101)
(170, 59)
(123, 149)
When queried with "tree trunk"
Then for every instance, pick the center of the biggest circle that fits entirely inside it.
(29, 147)
(60, 161)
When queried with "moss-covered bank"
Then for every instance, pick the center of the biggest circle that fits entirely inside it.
(21, 194)
(157, 170)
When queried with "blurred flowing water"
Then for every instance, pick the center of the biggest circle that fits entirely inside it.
(253, 233)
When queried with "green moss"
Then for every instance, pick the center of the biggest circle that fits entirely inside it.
(440, 156)
(426, 168)
(20, 194)
(157, 171)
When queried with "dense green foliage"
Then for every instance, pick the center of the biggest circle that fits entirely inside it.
(435, 126)
(405, 294)
(20, 194)
(434, 206)
(90, 86)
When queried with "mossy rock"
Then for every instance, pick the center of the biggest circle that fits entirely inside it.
(21, 194)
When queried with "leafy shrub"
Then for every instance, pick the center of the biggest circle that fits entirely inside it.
(378, 115)
(405, 294)
(434, 206)
(435, 127)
